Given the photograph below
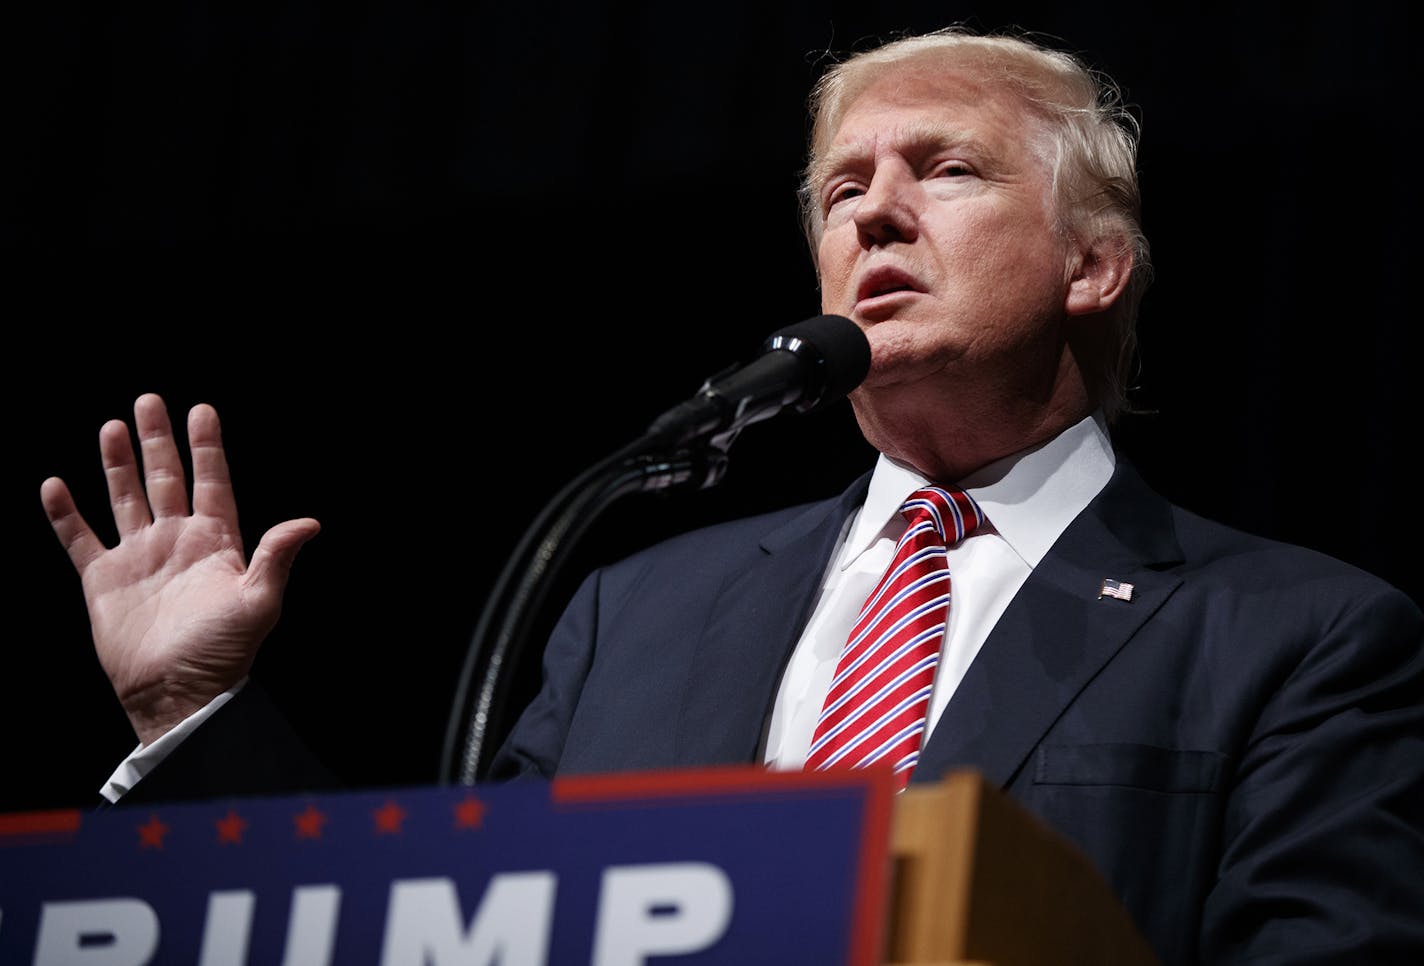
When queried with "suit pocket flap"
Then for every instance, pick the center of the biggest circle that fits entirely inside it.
(1135, 766)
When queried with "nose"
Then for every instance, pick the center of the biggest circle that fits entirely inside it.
(888, 211)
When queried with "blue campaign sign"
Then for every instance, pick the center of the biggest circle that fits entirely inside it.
(719, 866)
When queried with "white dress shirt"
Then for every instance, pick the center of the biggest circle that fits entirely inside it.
(145, 758)
(1028, 499)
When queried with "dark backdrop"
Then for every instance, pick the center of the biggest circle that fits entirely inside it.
(430, 260)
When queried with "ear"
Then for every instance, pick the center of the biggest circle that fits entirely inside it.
(1099, 277)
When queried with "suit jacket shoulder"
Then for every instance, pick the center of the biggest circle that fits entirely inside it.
(671, 657)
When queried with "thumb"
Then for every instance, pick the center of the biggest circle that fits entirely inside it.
(271, 562)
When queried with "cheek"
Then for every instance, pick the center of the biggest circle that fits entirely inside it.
(835, 262)
(1011, 257)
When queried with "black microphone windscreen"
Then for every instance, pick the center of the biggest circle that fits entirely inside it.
(836, 346)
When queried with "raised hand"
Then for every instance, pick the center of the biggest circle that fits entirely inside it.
(176, 609)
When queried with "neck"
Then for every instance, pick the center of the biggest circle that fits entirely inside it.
(946, 440)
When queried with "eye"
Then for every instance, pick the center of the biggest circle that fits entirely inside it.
(953, 169)
(842, 191)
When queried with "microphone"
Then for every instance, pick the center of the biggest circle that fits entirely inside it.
(807, 365)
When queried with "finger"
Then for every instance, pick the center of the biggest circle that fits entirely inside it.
(126, 497)
(75, 535)
(162, 466)
(212, 483)
(271, 563)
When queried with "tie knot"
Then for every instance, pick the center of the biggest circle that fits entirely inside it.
(953, 512)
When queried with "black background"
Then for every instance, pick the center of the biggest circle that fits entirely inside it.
(430, 260)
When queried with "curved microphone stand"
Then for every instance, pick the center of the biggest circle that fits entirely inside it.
(805, 365)
(524, 583)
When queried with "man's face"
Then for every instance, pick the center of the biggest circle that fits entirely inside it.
(939, 235)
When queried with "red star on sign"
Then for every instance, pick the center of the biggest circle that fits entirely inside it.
(230, 828)
(388, 818)
(470, 813)
(150, 834)
(309, 823)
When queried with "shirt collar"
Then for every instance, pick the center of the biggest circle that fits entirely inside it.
(1029, 497)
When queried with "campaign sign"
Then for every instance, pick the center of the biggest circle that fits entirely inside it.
(720, 866)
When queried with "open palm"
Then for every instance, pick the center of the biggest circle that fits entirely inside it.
(177, 611)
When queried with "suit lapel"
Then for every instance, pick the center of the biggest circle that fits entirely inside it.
(759, 614)
(1057, 633)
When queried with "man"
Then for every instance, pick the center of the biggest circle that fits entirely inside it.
(1230, 728)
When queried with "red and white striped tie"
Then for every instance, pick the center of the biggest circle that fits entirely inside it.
(875, 711)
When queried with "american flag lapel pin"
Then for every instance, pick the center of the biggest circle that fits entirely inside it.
(1119, 589)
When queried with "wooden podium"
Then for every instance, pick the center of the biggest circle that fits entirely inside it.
(979, 880)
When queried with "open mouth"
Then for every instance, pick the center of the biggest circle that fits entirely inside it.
(885, 281)
(887, 289)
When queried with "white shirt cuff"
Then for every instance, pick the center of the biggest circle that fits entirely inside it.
(145, 758)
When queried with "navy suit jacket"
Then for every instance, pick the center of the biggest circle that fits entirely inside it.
(1239, 748)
